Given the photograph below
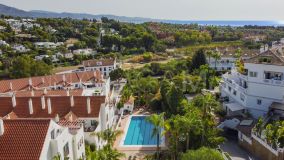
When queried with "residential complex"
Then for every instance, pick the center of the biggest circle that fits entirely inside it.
(75, 105)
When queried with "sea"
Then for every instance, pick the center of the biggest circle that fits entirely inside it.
(228, 23)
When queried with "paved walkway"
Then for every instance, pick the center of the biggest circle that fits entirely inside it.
(236, 152)
(138, 152)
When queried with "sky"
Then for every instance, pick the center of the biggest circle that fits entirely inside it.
(164, 9)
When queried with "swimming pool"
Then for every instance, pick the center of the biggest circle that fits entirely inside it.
(139, 132)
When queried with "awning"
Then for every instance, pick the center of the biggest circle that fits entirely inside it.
(234, 107)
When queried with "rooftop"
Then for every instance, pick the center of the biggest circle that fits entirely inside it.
(50, 80)
(99, 62)
(23, 139)
(269, 57)
(51, 106)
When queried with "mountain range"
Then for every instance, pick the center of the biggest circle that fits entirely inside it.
(11, 11)
(6, 10)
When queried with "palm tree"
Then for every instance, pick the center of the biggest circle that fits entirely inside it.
(207, 105)
(209, 53)
(107, 152)
(191, 123)
(238, 53)
(158, 122)
(217, 56)
(109, 135)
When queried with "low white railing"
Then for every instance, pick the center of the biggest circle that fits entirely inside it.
(274, 82)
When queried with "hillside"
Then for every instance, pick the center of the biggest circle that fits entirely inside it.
(11, 11)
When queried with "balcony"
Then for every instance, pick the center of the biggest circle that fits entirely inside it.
(273, 82)
(235, 85)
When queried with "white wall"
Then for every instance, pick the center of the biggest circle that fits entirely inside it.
(53, 147)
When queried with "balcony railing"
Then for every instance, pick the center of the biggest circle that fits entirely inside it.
(273, 82)
(235, 85)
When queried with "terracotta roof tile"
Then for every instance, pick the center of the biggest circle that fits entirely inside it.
(46, 81)
(60, 105)
(98, 62)
(23, 139)
(76, 92)
(5, 106)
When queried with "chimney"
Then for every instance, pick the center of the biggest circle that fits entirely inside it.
(11, 86)
(45, 91)
(14, 103)
(31, 109)
(57, 118)
(88, 105)
(30, 82)
(72, 101)
(42, 80)
(49, 105)
(63, 78)
(42, 102)
(1, 127)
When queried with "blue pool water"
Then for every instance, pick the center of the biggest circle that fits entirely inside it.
(140, 132)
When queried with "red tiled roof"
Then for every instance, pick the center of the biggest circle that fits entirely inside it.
(76, 92)
(60, 105)
(98, 62)
(23, 139)
(51, 80)
(71, 124)
(5, 106)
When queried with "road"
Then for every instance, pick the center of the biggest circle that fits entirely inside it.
(236, 152)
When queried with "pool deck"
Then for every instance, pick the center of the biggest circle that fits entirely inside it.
(139, 152)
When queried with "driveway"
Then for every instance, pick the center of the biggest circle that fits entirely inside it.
(235, 151)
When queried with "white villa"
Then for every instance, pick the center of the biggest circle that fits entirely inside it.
(48, 44)
(40, 139)
(84, 52)
(20, 48)
(259, 89)
(103, 65)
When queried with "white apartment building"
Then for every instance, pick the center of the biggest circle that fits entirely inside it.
(259, 89)
(84, 52)
(20, 48)
(3, 43)
(48, 44)
(39, 139)
(105, 66)
(95, 112)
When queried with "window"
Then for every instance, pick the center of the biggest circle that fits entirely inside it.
(230, 89)
(52, 134)
(93, 122)
(66, 150)
(253, 74)
(242, 97)
(235, 92)
(259, 101)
